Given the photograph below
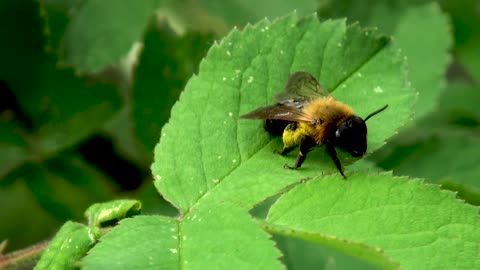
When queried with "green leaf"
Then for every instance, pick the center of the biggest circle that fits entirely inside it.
(410, 221)
(220, 16)
(65, 186)
(423, 33)
(467, 35)
(216, 236)
(357, 254)
(377, 13)
(69, 245)
(62, 107)
(23, 221)
(420, 29)
(13, 148)
(206, 152)
(421, 158)
(75, 109)
(136, 243)
(102, 32)
(57, 15)
(112, 211)
(425, 148)
(175, 59)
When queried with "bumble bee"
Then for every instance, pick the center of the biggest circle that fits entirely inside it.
(306, 115)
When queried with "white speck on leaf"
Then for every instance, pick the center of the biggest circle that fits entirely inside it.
(234, 160)
(215, 181)
(339, 44)
(344, 86)
(250, 79)
(173, 250)
(184, 238)
(378, 90)
(359, 74)
(237, 71)
(228, 53)
(219, 157)
(224, 78)
(172, 229)
(230, 114)
(158, 177)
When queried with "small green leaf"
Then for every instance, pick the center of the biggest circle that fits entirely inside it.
(112, 211)
(102, 32)
(69, 245)
(410, 221)
(141, 242)
(215, 236)
(206, 151)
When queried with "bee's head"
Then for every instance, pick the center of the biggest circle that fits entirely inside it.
(351, 135)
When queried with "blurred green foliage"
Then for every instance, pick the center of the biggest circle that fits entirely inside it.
(86, 86)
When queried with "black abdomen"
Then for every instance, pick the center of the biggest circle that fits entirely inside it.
(275, 127)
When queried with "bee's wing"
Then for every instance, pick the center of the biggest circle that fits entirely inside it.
(280, 111)
(301, 86)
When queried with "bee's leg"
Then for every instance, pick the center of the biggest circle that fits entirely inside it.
(289, 139)
(306, 145)
(333, 155)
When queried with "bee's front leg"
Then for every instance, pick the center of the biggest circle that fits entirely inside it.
(333, 155)
(306, 145)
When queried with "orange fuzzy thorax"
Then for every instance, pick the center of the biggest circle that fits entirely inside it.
(328, 111)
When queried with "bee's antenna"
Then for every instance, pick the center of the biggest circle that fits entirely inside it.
(375, 112)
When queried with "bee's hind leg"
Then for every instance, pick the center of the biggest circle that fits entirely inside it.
(306, 145)
(289, 139)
